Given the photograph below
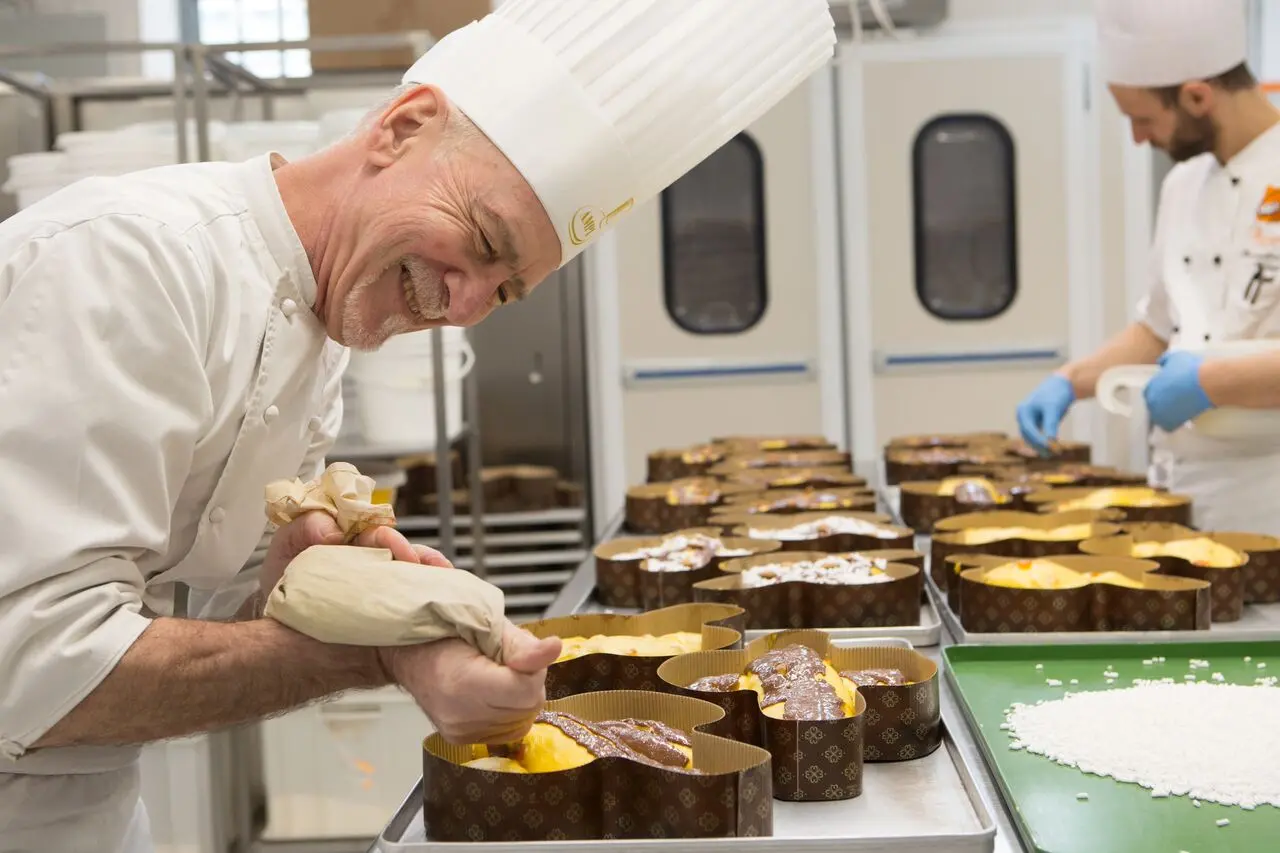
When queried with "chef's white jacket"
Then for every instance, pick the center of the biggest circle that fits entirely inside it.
(1215, 276)
(159, 364)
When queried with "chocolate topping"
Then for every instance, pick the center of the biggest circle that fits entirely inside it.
(716, 683)
(793, 674)
(646, 741)
(876, 677)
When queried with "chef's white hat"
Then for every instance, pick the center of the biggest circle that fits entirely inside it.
(603, 104)
(1170, 42)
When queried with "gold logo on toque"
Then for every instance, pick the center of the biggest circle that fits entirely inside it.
(588, 222)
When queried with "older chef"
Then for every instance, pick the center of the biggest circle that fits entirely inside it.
(1177, 71)
(172, 341)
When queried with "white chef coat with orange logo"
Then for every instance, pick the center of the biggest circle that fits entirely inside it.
(1216, 277)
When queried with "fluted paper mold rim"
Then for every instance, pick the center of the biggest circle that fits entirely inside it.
(1176, 509)
(618, 581)
(1227, 582)
(668, 463)
(860, 499)
(663, 589)
(921, 503)
(1098, 605)
(948, 533)
(792, 604)
(955, 439)
(679, 672)
(904, 537)
(465, 804)
(648, 510)
(768, 443)
(783, 459)
(1261, 573)
(769, 479)
(722, 626)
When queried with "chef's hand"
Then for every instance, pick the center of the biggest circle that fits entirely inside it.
(1040, 415)
(319, 528)
(468, 697)
(1174, 395)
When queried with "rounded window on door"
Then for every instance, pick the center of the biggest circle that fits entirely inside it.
(713, 242)
(965, 215)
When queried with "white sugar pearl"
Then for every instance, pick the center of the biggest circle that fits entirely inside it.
(1053, 682)
(1108, 733)
(1262, 666)
(1039, 666)
(1082, 796)
(1248, 658)
(1075, 681)
(1222, 821)
(1219, 677)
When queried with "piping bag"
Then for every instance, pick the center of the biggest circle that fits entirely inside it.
(349, 595)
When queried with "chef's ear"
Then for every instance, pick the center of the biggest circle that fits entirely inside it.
(417, 113)
(1196, 98)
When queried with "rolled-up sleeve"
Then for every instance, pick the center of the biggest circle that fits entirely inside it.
(103, 397)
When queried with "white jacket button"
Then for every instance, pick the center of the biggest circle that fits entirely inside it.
(217, 514)
(269, 413)
(288, 307)
(314, 424)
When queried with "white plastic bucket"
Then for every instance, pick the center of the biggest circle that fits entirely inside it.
(395, 388)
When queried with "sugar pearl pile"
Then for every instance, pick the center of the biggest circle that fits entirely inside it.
(845, 571)
(1179, 739)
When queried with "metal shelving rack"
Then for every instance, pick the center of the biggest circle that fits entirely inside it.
(533, 554)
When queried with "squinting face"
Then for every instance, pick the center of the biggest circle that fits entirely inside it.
(1173, 130)
(439, 230)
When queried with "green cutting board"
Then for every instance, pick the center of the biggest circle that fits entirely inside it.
(1117, 817)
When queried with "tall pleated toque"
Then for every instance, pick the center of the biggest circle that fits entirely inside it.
(602, 104)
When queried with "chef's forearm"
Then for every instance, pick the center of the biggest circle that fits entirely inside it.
(1135, 344)
(182, 677)
(1252, 382)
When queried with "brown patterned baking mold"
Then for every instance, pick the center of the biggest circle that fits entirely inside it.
(758, 479)
(1172, 508)
(922, 504)
(729, 794)
(799, 604)
(770, 443)
(1261, 573)
(1162, 604)
(720, 624)
(677, 464)
(836, 459)
(618, 580)
(902, 722)
(1060, 474)
(885, 535)
(663, 507)
(1227, 583)
(790, 501)
(960, 439)
(1061, 452)
(903, 465)
(664, 588)
(954, 535)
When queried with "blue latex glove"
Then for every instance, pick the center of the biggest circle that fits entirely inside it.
(1174, 395)
(1040, 415)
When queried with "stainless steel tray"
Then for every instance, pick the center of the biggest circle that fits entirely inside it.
(927, 633)
(930, 805)
(1259, 622)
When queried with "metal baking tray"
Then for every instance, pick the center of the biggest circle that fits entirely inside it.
(930, 805)
(927, 633)
(1259, 622)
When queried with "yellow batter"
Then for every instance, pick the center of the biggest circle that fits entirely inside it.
(1134, 496)
(985, 535)
(647, 645)
(1200, 551)
(1047, 574)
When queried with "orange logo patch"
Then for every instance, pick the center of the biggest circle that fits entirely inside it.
(1269, 209)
